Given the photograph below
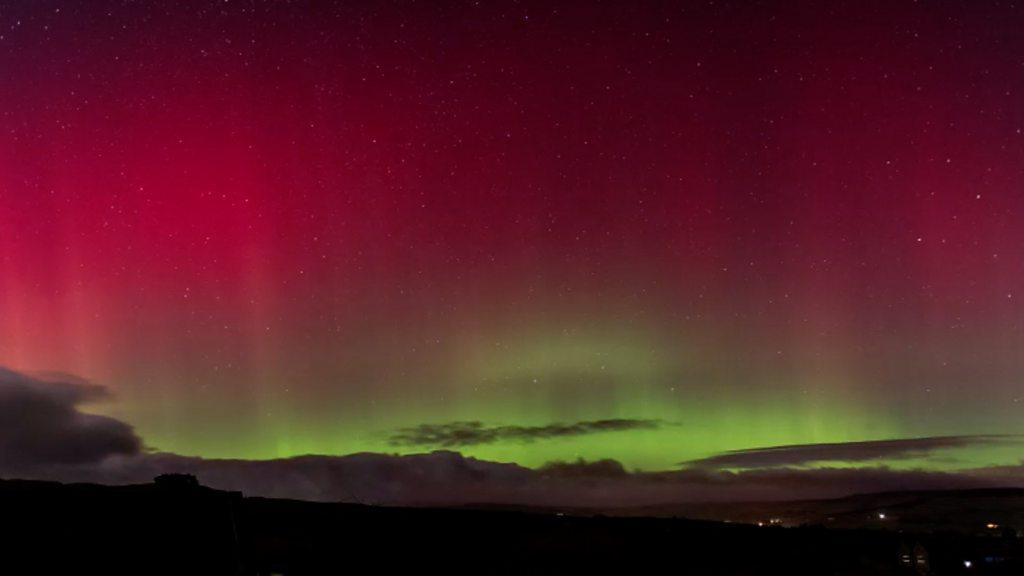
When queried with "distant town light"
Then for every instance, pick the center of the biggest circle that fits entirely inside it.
(881, 515)
(967, 563)
(991, 526)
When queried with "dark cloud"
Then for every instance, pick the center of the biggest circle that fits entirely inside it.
(40, 423)
(470, 433)
(801, 454)
(606, 468)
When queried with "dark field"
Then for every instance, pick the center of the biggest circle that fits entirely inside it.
(183, 529)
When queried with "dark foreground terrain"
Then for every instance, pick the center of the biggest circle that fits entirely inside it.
(177, 528)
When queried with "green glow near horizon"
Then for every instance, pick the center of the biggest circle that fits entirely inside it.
(523, 380)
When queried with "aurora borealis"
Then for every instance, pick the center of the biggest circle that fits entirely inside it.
(278, 229)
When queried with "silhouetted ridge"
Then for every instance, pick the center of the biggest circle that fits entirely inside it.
(177, 526)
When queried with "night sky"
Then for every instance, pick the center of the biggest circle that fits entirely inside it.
(522, 231)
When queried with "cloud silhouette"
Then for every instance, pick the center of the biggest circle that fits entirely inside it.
(606, 468)
(471, 433)
(40, 423)
(445, 478)
(802, 454)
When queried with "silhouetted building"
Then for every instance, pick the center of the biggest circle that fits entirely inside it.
(176, 481)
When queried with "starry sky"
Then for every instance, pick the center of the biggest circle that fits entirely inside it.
(526, 231)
